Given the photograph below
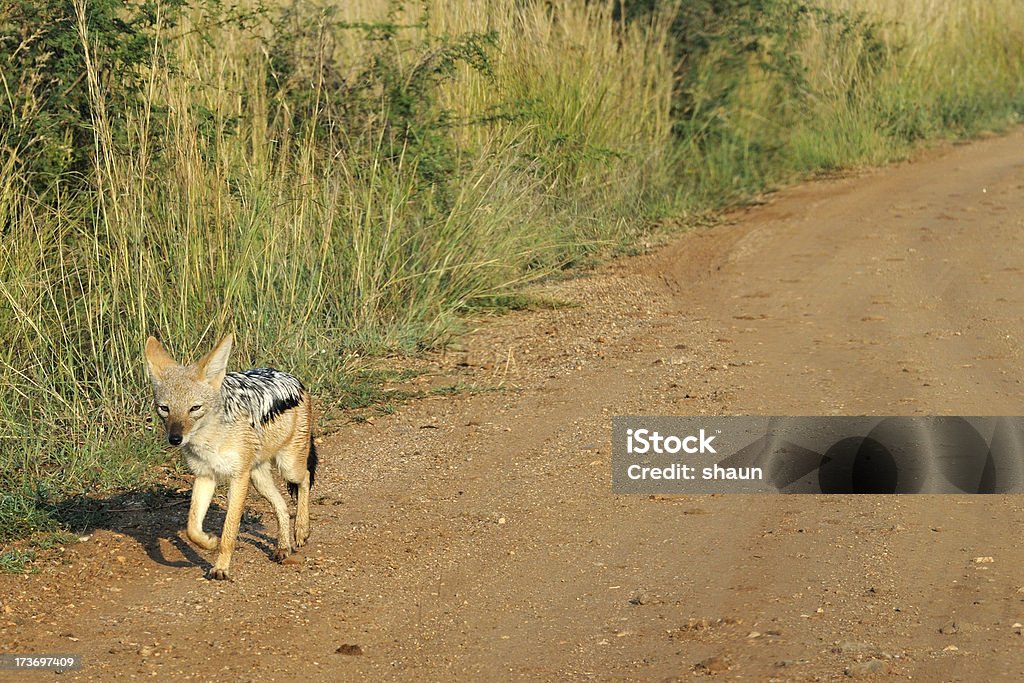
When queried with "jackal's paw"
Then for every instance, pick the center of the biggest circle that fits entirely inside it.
(301, 536)
(204, 540)
(218, 574)
(281, 554)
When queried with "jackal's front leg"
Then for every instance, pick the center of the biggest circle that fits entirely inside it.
(202, 494)
(237, 491)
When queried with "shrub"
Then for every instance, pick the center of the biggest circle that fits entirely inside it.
(47, 112)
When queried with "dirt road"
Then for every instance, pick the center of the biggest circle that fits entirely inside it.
(474, 536)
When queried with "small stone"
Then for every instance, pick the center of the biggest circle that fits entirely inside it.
(712, 665)
(638, 598)
(950, 628)
(871, 666)
(349, 649)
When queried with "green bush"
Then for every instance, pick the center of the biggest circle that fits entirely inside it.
(390, 104)
(47, 111)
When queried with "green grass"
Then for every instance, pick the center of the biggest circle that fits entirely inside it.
(511, 301)
(16, 561)
(340, 181)
(848, 83)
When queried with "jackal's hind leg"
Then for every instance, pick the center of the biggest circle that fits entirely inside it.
(263, 481)
(302, 513)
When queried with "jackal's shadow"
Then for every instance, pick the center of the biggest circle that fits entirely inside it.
(155, 518)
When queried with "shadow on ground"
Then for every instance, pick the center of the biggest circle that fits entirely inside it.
(155, 518)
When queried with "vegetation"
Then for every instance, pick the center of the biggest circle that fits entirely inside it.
(330, 179)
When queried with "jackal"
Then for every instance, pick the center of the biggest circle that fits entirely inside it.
(231, 427)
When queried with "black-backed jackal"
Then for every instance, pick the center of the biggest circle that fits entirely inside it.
(232, 427)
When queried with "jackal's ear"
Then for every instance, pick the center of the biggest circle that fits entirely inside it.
(214, 365)
(157, 359)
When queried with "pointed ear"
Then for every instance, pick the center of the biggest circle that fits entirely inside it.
(157, 359)
(214, 365)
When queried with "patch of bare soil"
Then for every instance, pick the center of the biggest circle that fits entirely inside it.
(475, 536)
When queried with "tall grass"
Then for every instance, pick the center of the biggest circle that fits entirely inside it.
(334, 180)
(838, 84)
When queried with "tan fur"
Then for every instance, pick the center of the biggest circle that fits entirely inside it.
(219, 450)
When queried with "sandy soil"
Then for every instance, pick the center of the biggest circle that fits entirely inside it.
(474, 536)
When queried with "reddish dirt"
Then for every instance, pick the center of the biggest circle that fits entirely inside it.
(475, 536)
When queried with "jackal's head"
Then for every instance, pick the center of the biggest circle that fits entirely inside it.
(187, 396)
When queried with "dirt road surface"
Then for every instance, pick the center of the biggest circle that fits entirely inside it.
(474, 536)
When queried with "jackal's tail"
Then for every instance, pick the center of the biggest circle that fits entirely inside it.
(311, 462)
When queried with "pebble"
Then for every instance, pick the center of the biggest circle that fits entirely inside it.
(349, 649)
(871, 666)
(712, 665)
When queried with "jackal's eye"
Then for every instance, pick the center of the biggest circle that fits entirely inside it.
(195, 409)
(163, 410)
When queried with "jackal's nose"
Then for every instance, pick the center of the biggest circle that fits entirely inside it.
(174, 439)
